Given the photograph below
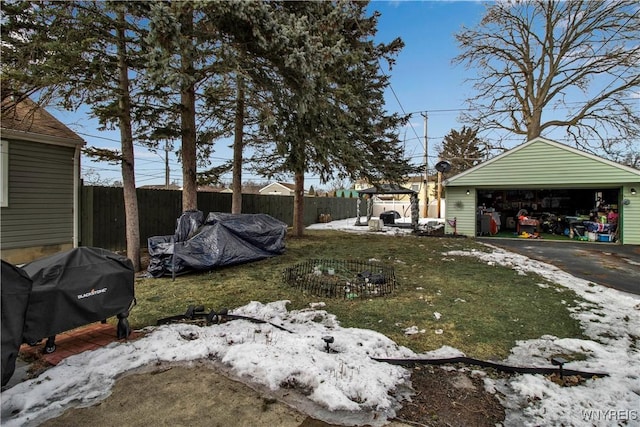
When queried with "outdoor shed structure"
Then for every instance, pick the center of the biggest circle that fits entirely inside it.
(543, 177)
(40, 179)
(386, 189)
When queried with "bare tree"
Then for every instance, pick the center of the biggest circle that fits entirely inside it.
(92, 177)
(533, 57)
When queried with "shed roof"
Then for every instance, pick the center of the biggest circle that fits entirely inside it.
(542, 162)
(28, 117)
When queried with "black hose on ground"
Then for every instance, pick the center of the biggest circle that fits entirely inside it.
(195, 313)
(485, 364)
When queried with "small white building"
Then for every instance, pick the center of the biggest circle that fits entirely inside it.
(278, 189)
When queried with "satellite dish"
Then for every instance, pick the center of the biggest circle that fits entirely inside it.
(443, 166)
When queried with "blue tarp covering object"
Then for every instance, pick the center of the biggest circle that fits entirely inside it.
(223, 239)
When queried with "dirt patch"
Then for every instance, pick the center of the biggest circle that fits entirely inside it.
(198, 396)
(181, 396)
(448, 397)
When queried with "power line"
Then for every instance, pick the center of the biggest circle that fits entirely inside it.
(395, 95)
(458, 110)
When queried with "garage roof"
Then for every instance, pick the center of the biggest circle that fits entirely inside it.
(542, 162)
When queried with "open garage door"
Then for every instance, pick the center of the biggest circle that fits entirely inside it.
(557, 214)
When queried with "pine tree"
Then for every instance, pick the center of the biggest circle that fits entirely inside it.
(76, 53)
(328, 114)
(462, 149)
(209, 45)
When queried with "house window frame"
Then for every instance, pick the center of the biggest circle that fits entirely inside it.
(4, 173)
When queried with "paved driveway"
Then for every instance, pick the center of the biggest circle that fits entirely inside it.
(608, 264)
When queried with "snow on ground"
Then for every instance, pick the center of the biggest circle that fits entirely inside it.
(349, 225)
(347, 380)
(611, 319)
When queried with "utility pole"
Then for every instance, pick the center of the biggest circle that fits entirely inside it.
(425, 206)
(166, 165)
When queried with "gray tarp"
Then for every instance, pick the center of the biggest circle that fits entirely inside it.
(223, 239)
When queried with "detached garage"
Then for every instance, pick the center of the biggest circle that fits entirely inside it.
(541, 187)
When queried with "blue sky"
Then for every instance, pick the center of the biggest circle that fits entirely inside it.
(423, 79)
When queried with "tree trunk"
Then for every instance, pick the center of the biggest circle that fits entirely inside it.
(236, 185)
(188, 121)
(298, 205)
(535, 123)
(126, 137)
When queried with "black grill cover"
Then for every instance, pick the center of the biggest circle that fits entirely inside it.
(224, 239)
(75, 288)
(16, 287)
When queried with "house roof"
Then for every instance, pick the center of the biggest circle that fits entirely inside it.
(290, 187)
(560, 162)
(172, 186)
(213, 189)
(27, 118)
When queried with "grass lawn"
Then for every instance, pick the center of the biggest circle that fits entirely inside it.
(484, 308)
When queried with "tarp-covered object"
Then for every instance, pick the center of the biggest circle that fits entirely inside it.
(187, 225)
(75, 288)
(16, 287)
(224, 239)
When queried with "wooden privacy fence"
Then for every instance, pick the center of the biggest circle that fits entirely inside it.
(102, 221)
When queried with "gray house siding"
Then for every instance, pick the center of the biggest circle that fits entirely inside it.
(40, 198)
